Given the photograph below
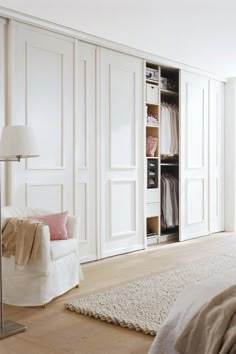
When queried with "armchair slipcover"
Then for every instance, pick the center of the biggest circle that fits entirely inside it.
(55, 271)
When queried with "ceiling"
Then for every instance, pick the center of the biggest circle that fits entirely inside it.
(200, 33)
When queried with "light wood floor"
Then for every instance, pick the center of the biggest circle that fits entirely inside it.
(55, 330)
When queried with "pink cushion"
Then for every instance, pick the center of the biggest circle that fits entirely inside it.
(151, 146)
(56, 224)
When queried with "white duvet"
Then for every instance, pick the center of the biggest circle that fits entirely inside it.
(188, 303)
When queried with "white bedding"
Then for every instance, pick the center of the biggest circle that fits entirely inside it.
(188, 303)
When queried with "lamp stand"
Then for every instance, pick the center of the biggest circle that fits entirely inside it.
(7, 328)
(10, 328)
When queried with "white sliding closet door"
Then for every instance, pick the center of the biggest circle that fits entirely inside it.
(3, 95)
(193, 156)
(121, 137)
(85, 141)
(42, 97)
(216, 165)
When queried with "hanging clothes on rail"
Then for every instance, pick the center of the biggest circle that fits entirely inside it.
(169, 133)
(169, 201)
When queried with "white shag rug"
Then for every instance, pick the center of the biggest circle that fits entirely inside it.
(144, 304)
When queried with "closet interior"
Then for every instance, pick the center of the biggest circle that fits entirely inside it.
(169, 154)
(162, 154)
(152, 128)
(132, 181)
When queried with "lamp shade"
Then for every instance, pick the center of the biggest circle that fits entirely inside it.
(18, 142)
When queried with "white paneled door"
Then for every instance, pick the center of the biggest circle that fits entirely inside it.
(216, 164)
(85, 158)
(121, 129)
(3, 95)
(194, 221)
(42, 97)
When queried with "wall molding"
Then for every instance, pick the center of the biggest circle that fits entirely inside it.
(70, 32)
(133, 184)
(42, 185)
(3, 21)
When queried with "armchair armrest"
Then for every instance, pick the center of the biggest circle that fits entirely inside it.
(73, 227)
(41, 263)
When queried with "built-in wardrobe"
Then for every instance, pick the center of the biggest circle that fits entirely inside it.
(95, 111)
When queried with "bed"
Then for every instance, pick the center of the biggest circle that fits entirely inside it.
(190, 301)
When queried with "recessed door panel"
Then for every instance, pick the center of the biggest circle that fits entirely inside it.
(123, 215)
(42, 97)
(195, 126)
(36, 194)
(122, 126)
(195, 196)
(44, 89)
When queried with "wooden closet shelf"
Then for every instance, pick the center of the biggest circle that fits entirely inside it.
(169, 93)
(152, 126)
(152, 81)
(169, 164)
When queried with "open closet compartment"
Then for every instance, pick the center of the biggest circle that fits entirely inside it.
(152, 156)
(169, 154)
(152, 224)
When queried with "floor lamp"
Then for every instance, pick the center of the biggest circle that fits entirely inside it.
(17, 142)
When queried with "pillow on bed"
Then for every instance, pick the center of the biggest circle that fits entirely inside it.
(56, 223)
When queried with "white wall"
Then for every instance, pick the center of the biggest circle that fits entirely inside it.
(198, 32)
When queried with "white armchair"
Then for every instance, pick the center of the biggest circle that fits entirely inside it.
(55, 271)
